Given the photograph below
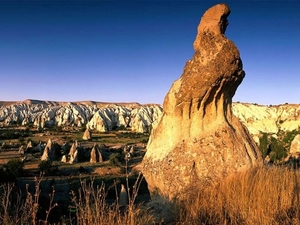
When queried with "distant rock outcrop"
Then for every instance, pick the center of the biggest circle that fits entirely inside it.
(73, 153)
(96, 155)
(268, 119)
(198, 140)
(87, 135)
(49, 152)
(100, 117)
(295, 145)
(139, 118)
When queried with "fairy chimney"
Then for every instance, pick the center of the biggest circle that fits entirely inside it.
(198, 141)
(49, 151)
(96, 155)
(87, 135)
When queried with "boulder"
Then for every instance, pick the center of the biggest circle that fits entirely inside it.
(198, 141)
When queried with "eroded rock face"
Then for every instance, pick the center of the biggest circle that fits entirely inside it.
(295, 145)
(87, 135)
(97, 116)
(49, 151)
(198, 140)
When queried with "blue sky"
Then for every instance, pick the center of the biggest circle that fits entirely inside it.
(132, 51)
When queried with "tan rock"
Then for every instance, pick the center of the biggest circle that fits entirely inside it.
(64, 159)
(198, 140)
(96, 155)
(73, 153)
(123, 197)
(21, 150)
(49, 151)
(73, 148)
(74, 157)
(295, 145)
(87, 135)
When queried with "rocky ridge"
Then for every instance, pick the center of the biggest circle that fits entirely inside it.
(257, 118)
(94, 115)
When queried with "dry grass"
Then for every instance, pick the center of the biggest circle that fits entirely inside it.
(264, 196)
(268, 195)
(92, 208)
(18, 209)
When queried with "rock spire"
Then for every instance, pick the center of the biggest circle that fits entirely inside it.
(198, 140)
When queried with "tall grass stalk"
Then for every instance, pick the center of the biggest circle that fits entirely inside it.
(92, 208)
(264, 196)
(15, 209)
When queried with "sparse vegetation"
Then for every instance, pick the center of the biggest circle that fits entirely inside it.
(268, 195)
(11, 170)
(277, 148)
(47, 168)
(13, 133)
(115, 159)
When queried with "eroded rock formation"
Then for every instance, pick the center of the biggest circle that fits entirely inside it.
(257, 118)
(87, 135)
(96, 154)
(295, 145)
(49, 151)
(198, 140)
(97, 116)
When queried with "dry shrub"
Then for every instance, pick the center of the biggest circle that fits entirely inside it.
(91, 207)
(15, 209)
(266, 195)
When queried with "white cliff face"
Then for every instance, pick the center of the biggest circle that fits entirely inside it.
(102, 117)
(140, 118)
(268, 119)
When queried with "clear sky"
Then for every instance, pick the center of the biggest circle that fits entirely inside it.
(132, 51)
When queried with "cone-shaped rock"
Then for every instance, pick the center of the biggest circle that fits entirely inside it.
(73, 148)
(29, 146)
(123, 198)
(198, 140)
(49, 151)
(96, 155)
(87, 135)
(64, 159)
(74, 157)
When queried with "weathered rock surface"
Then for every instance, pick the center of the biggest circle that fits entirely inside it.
(97, 116)
(295, 145)
(49, 151)
(87, 135)
(198, 140)
(96, 155)
(268, 119)
(257, 118)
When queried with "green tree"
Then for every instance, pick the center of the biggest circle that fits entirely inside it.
(277, 151)
(14, 168)
(263, 145)
(115, 159)
(47, 167)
